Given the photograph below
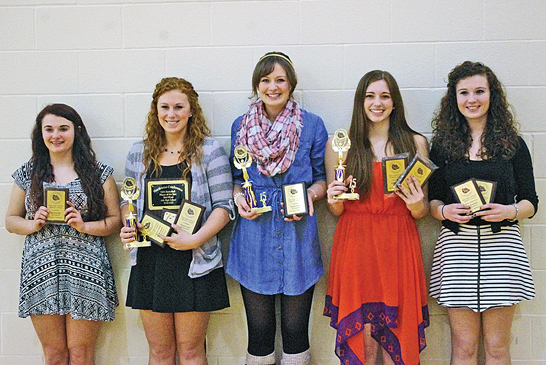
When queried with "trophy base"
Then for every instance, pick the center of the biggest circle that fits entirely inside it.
(261, 209)
(348, 196)
(138, 244)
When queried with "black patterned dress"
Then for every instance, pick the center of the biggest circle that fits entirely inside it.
(64, 271)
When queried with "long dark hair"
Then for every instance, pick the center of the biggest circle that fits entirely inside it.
(451, 132)
(401, 137)
(85, 163)
(196, 131)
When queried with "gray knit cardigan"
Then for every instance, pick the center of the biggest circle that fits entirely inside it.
(211, 187)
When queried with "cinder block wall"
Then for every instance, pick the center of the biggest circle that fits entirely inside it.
(104, 57)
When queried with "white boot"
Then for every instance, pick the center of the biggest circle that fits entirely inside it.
(260, 360)
(303, 358)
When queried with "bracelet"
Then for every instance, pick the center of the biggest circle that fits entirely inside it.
(236, 196)
(315, 194)
(517, 212)
(443, 216)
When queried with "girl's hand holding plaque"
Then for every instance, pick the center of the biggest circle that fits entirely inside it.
(478, 195)
(420, 167)
(468, 193)
(493, 212)
(73, 217)
(180, 240)
(40, 218)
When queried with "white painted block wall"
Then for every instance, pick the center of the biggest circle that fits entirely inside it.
(104, 57)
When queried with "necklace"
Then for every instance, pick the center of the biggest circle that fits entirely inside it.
(172, 152)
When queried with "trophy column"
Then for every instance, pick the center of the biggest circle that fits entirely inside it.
(242, 160)
(340, 144)
(130, 191)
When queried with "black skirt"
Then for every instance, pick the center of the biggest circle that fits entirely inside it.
(160, 282)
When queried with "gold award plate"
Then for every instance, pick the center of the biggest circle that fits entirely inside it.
(469, 194)
(55, 200)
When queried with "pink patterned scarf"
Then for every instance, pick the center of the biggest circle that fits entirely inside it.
(272, 145)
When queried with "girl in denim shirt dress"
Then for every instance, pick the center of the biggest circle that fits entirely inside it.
(271, 255)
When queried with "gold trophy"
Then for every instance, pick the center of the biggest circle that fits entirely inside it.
(242, 160)
(340, 144)
(130, 191)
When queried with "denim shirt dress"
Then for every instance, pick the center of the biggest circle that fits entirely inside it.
(269, 255)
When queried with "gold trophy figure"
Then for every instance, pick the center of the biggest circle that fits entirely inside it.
(352, 195)
(130, 191)
(340, 144)
(144, 231)
(242, 160)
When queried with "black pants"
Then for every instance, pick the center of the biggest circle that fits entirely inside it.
(262, 323)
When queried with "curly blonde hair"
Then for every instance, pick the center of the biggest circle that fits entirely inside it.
(196, 131)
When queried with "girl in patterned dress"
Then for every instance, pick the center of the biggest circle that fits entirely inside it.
(480, 270)
(67, 284)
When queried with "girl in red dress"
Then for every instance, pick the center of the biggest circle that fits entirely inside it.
(376, 289)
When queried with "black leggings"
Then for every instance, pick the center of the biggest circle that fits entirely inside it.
(261, 320)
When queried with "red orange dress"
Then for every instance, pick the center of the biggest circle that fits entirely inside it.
(376, 276)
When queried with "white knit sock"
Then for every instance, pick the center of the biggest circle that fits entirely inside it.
(303, 358)
(260, 360)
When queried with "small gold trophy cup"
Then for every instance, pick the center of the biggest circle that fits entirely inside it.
(130, 191)
(340, 144)
(242, 160)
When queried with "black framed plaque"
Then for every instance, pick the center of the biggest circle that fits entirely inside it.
(55, 200)
(468, 193)
(487, 190)
(294, 197)
(189, 217)
(393, 168)
(166, 193)
(152, 227)
(418, 167)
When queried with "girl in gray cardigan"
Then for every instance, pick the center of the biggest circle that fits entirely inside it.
(176, 286)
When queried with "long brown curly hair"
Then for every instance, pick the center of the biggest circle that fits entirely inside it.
(360, 156)
(85, 163)
(196, 131)
(451, 132)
